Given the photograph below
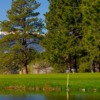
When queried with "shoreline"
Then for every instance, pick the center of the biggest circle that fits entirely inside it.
(83, 82)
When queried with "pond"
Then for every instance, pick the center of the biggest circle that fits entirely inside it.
(83, 96)
(30, 95)
(49, 96)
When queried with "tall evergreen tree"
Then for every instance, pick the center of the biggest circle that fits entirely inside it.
(73, 38)
(91, 35)
(22, 22)
(64, 33)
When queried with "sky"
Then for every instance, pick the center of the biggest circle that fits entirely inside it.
(6, 5)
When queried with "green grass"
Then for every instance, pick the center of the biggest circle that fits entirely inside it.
(76, 81)
(84, 80)
(31, 81)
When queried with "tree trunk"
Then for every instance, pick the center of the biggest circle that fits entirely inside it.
(70, 63)
(25, 69)
(75, 63)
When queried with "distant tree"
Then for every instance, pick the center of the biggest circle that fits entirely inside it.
(21, 24)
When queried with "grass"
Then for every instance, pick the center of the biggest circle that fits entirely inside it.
(77, 81)
(33, 81)
(89, 81)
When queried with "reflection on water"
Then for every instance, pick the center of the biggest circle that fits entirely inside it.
(27, 97)
(34, 96)
(51, 96)
(83, 96)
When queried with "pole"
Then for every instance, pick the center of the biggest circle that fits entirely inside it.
(67, 81)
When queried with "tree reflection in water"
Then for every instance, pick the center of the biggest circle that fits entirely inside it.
(24, 97)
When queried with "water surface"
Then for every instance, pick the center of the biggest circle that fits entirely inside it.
(49, 96)
(24, 95)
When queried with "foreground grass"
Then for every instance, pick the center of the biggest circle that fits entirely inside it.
(76, 81)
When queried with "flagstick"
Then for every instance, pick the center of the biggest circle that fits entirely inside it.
(67, 81)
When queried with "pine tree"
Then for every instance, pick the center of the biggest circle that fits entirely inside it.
(64, 34)
(73, 38)
(91, 35)
(22, 22)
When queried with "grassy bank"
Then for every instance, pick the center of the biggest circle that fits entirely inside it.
(42, 82)
(87, 81)
(52, 82)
